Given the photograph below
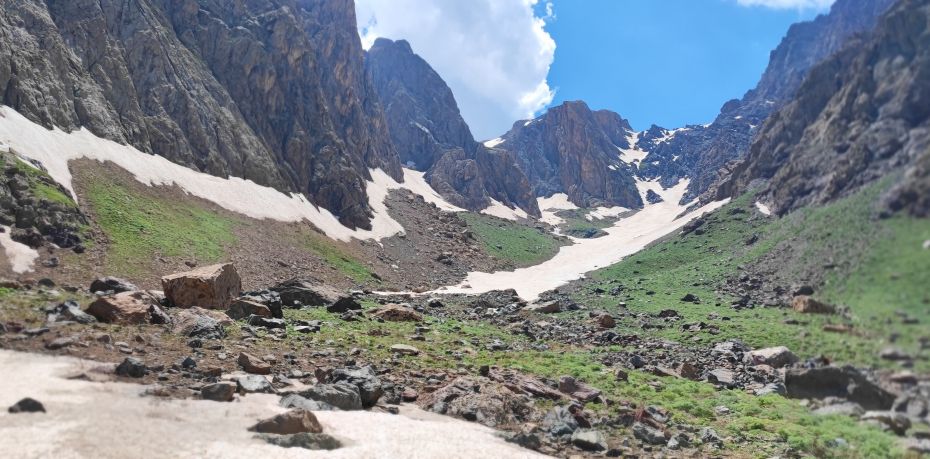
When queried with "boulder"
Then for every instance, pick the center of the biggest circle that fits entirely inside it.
(305, 440)
(477, 400)
(69, 311)
(364, 378)
(589, 440)
(404, 349)
(200, 323)
(297, 401)
(341, 395)
(397, 313)
(722, 377)
(775, 357)
(807, 305)
(131, 367)
(111, 285)
(254, 383)
(580, 391)
(242, 308)
(843, 382)
(252, 364)
(345, 303)
(123, 308)
(219, 392)
(211, 287)
(291, 422)
(548, 307)
(889, 420)
(606, 321)
(648, 434)
(299, 292)
(27, 405)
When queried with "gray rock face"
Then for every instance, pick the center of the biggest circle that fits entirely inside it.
(573, 150)
(704, 151)
(860, 115)
(274, 91)
(843, 382)
(342, 395)
(430, 135)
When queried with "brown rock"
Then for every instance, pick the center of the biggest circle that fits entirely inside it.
(292, 422)
(242, 308)
(606, 321)
(254, 365)
(212, 287)
(578, 390)
(689, 371)
(122, 308)
(397, 313)
(807, 305)
(409, 395)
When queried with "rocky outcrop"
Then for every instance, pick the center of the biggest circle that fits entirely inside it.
(430, 134)
(703, 151)
(274, 91)
(860, 115)
(573, 150)
(211, 287)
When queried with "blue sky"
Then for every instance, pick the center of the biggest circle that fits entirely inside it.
(668, 62)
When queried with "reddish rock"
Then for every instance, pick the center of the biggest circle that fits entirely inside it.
(212, 287)
(242, 308)
(580, 391)
(397, 313)
(409, 395)
(254, 365)
(807, 305)
(292, 422)
(123, 308)
(606, 321)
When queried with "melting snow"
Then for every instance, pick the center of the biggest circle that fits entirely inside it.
(55, 148)
(201, 428)
(628, 236)
(498, 209)
(493, 142)
(20, 256)
(551, 205)
(764, 209)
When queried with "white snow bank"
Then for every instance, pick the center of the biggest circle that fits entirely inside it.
(548, 207)
(21, 256)
(764, 209)
(628, 236)
(498, 209)
(493, 142)
(55, 148)
(76, 409)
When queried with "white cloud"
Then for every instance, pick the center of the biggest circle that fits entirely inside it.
(789, 4)
(494, 54)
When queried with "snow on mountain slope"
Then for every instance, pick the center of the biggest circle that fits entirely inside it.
(498, 209)
(628, 236)
(55, 148)
(551, 205)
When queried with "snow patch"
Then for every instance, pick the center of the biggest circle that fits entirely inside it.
(493, 142)
(763, 209)
(55, 148)
(21, 256)
(203, 428)
(626, 237)
(548, 207)
(498, 209)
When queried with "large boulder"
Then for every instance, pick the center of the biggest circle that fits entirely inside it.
(212, 287)
(776, 357)
(807, 305)
(124, 308)
(69, 311)
(368, 383)
(843, 382)
(253, 364)
(300, 292)
(342, 395)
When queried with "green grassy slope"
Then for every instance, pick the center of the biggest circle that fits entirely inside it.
(511, 241)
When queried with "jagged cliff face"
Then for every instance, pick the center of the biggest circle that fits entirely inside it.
(859, 115)
(704, 150)
(430, 134)
(273, 91)
(575, 151)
